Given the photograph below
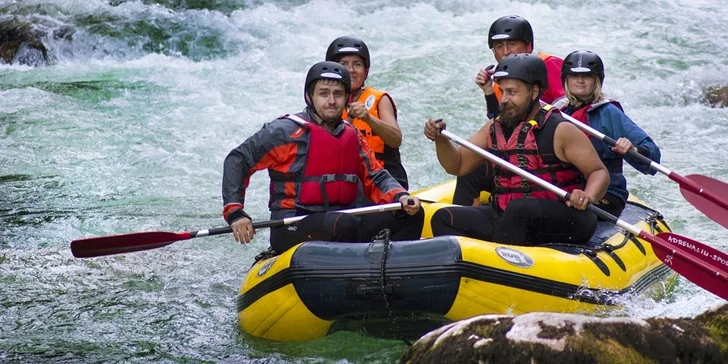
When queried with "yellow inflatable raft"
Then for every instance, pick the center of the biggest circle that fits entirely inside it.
(406, 288)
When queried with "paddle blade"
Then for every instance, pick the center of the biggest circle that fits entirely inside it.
(712, 277)
(712, 202)
(704, 252)
(119, 244)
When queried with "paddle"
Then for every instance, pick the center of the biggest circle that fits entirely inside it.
(708, 195)
(126, 243)
(704, 252)
(711, 275)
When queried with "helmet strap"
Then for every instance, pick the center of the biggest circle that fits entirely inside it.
(355, 94)
(586, 101)
(313, 112)
(363, 84)
(311, 108)
(536, 101)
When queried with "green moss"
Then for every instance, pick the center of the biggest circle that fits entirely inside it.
(608, 351)
(556, 332)
(486, 329)
(662, 341)
(716, 322)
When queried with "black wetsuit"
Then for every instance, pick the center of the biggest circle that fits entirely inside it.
(525, 221)
(336, 226)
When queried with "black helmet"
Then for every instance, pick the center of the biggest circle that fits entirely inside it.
(327, 71)
(582, 62)
(347, 46)
(510, 27)
(526, 67)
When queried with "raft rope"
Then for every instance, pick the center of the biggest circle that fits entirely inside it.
(653, 220)
(384, 236)
(270, 253)
(654, 223)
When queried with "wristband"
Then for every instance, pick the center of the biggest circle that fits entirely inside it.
(235, 215)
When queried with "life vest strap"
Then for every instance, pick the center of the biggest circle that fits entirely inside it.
(533, 187)
(323, 179)
(506, 153)
(295, 118)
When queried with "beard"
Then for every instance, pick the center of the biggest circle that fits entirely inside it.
(332, 120)
(327, 116)
(511, 114)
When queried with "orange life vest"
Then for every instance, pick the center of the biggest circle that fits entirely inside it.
(370, 98)
(387, 156)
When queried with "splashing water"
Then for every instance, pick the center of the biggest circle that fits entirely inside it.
(127, 127)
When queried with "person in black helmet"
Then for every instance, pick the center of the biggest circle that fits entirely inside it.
(317, 163)
(539, 140)
(582, 76)
(513, 34)
(371, 111)
(508, 35)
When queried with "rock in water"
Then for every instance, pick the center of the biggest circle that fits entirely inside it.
(568, 338)
(716, 322)
(21, 44)
(716, 96)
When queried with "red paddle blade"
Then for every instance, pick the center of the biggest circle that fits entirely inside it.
(715, 190)
(119, 244)
(711, 277)
(697, 249)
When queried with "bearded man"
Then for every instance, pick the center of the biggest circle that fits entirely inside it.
(539, 140)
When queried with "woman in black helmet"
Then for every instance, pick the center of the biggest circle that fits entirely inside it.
(582, 76)
(371, 111)
(539, 140)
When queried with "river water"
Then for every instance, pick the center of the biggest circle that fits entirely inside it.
(127, 130)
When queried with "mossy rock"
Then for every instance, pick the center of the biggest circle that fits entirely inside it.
(716, 322)
(569, 338)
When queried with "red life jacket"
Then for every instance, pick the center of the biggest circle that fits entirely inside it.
(522, 150)
(581, 113)
(330, 176)
(614, 165)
